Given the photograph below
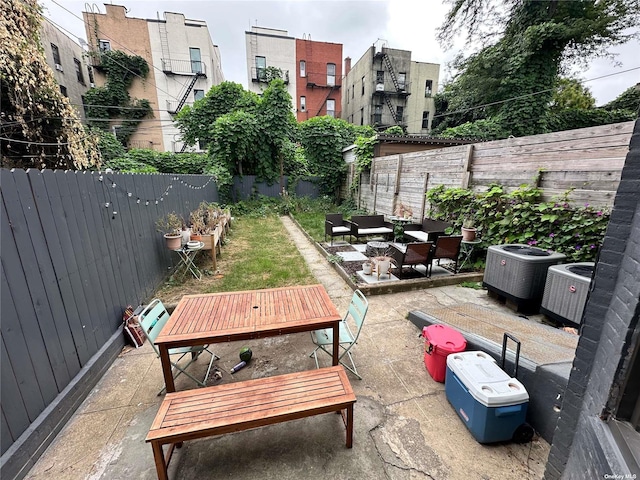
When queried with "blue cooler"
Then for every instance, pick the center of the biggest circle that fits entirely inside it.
(490, 403)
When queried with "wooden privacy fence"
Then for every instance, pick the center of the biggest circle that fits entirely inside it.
(588, 160)
(76, 248)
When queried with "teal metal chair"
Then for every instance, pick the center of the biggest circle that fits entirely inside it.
(152, 319)
(323, 339)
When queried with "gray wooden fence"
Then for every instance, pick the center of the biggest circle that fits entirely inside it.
(76, 248)
(247, 186)
(587, 160)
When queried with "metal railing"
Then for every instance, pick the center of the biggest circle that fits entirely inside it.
(183, 67)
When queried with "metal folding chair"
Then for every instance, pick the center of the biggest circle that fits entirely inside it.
(152, 319)
(323, 339)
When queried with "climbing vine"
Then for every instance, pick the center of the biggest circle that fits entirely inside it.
(112, 101)
(43, 129)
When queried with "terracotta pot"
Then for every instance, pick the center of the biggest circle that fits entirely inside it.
(196, 237)
(468, 234)
(174, 242)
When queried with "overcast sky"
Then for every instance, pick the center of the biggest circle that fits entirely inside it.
(403, 24)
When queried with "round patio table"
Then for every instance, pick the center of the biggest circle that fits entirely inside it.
(376, 249)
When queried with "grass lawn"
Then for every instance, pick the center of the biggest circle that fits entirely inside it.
(258, 253)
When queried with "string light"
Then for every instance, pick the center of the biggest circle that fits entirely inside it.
(157, 200)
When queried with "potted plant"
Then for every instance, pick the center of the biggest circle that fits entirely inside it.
(171, 226)
(366, 267)
(468, 230)
(204, 220)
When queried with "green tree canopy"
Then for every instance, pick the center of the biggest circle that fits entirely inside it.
(528, 44)
(195, 122)
(323, 139)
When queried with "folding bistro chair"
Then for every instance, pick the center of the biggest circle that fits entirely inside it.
(323, 339)
(152, 318)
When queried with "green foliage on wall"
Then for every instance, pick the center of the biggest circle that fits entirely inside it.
(521, 217)
(323, 139)
(112, 101)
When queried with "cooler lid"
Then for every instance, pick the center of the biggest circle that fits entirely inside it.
(486, 381)
(444, 338)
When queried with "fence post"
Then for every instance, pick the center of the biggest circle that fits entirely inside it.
(424, 196)
(466, 176)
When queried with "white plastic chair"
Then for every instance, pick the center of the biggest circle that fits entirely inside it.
(323, 339)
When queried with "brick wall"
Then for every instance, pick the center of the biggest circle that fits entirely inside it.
(317, 55)
(583, 445)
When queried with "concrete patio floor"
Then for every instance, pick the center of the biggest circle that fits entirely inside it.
(404, 425)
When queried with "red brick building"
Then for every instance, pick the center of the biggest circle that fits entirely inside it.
(318, 79)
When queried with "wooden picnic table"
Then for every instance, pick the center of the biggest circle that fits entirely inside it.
(246, 315)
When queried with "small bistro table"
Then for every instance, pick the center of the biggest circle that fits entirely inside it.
(467, 248)
(231, 316)
(187, 255)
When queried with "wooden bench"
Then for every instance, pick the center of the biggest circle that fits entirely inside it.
(233, 407)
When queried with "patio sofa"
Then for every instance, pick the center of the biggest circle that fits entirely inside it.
(365, 225)
(427, 231)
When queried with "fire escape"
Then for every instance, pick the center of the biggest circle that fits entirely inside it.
(194, 69)
(400, 89)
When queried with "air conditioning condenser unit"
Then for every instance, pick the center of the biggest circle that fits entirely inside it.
(566, 290)
(518, 273)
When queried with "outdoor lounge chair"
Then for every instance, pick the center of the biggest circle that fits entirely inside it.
(335, 226)
(152, 318)
(446, 247)
(323, 339)
(415, 254)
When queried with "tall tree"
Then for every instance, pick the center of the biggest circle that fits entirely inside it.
(511, 79)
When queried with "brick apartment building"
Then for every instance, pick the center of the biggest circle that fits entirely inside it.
(311, 70)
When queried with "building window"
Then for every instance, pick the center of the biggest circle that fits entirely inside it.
(362, 88)
(303, 104)
(377, 114)
(331, 108)
(104, 45)
(362, 116)
(92, 80)
(379, 78)
(331, 74)
(427, 88)
(196, 60)
(425, 119)
(79, 70)
(399, 114)
(63, 90)
(353, 91)
(198, 94)
(261, 68)
(402, 81)
(56, 55)
(303, 68)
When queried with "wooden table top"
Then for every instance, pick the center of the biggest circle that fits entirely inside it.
(229, 316)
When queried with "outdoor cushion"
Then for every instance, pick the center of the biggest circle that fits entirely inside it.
(340, 229)
(417, 234)
(374, 231)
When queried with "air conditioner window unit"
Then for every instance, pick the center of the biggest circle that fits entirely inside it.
(59, 67)
(380, 87)
(518, 273)
(565, 291)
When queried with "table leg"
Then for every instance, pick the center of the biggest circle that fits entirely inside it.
(336, 343)
(166, 369)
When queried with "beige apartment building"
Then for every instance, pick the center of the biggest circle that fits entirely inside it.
(183, 65)
(385, 88)
(69, 64)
